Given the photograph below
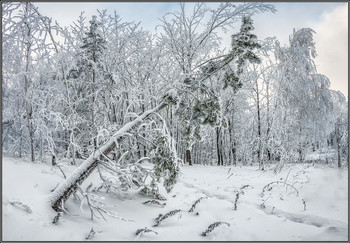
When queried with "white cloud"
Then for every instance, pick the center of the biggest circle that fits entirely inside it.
(288, 16)
(332, 47)
(65, 13)
(148, 13)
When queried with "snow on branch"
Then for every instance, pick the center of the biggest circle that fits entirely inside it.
(154, 202)
(213, 226)
(268, 187)
(145, 230)
(244, 187)
(22, 206)
(69, 186)
(195, 204)
(91, 234)
(161, 217)
(236, 201)
(57, 218)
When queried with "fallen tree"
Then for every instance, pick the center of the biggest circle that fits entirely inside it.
(71, 184)
(205, 109)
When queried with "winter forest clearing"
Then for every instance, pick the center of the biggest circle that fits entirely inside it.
(113, 132)
(275, 214)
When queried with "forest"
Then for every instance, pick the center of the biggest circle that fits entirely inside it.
(105, 100)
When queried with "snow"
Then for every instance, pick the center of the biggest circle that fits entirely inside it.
(96, 155)
(324, 189)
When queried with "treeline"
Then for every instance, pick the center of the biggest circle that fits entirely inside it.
(66, 90)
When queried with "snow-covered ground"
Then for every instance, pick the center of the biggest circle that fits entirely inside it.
(277, 214)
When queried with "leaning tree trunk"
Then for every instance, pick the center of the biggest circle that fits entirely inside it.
(70, 185)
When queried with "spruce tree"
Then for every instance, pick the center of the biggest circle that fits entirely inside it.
(94, 44)
(244, 45)
(87, 77)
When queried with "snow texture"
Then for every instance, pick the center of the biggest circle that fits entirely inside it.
(323, 189)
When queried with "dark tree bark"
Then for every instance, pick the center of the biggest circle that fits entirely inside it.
(261, 164)
(337, 139)
(218, 147)
(232, 144)
(188, 157)
(53, 161)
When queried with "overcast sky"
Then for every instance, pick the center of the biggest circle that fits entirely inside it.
(329, 20)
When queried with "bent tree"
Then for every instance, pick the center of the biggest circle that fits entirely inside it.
(192, 41)
(113, 62)
(205, 109)
(70, 185)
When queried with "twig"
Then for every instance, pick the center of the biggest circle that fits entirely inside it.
(237, 197)
(161, 217)
(273, 208)
(57, 217)
(59, 167)
(195, 204)
(285, 181)
(245, 186)
(304, 202)
(20, 205)
(213, 226)
(88, 187)
(154, 202)
(277, 182)
(52, 190)
(140, 232)
(91, 234)
(262, 205)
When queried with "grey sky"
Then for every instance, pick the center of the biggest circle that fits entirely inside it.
(328, 19)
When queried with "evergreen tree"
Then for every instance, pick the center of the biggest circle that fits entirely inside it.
(87, 79)
(244, 45)
(94, 45)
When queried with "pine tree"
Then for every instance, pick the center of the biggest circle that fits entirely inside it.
(244, 45)
(88, 77)
(94, 45)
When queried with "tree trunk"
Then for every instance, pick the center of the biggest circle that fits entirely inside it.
(261, 164)
(53, 161)
(337, 139)
(70, 185)
(218, 147)
(232, 144)
(93, 105)
(268, 153)
(222, 151)
(26, 87)
(41, 147)
(188, 157)
(20, 131)
(20, 144)
(300, 149)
